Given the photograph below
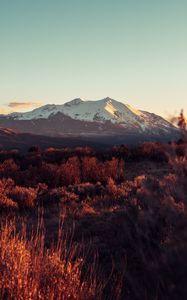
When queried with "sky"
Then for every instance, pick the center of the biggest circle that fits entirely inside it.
(134, 51)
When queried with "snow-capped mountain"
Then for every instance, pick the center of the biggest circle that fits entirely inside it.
(99, 112)
(102, 122)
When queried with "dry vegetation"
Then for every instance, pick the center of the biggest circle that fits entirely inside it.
(122, 216)
(31, 271)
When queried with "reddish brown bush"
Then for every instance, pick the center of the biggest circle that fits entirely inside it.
(25, 197)
(8, 169)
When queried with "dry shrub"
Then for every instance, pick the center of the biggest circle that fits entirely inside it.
(6, 186)
(6, 202)
(151, 151)
(55, 175)
(8, 168)
(25, 197)
(69, 173)
(113, 190)
(29, 271)
(15, 260)
(179, 165)
(94, 170)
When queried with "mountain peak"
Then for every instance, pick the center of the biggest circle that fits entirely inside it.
(108, 99)
(75, 101)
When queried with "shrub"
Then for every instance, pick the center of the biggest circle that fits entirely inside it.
(25, 197)
(69, 172)
(8, 169)
(6, 202)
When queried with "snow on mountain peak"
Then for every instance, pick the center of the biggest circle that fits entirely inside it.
(108, 99)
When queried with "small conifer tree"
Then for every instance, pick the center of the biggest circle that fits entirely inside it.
(182, 125)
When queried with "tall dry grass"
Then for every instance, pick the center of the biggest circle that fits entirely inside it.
(28, 270)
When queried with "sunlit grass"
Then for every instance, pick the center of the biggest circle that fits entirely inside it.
(28, 270)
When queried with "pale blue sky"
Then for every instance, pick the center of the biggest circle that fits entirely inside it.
(135, 51)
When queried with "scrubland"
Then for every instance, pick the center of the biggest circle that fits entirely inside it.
(85, 224)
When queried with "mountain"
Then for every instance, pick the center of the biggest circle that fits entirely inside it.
(104, 117)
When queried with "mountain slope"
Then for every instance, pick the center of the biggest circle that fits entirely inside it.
(10, 139)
